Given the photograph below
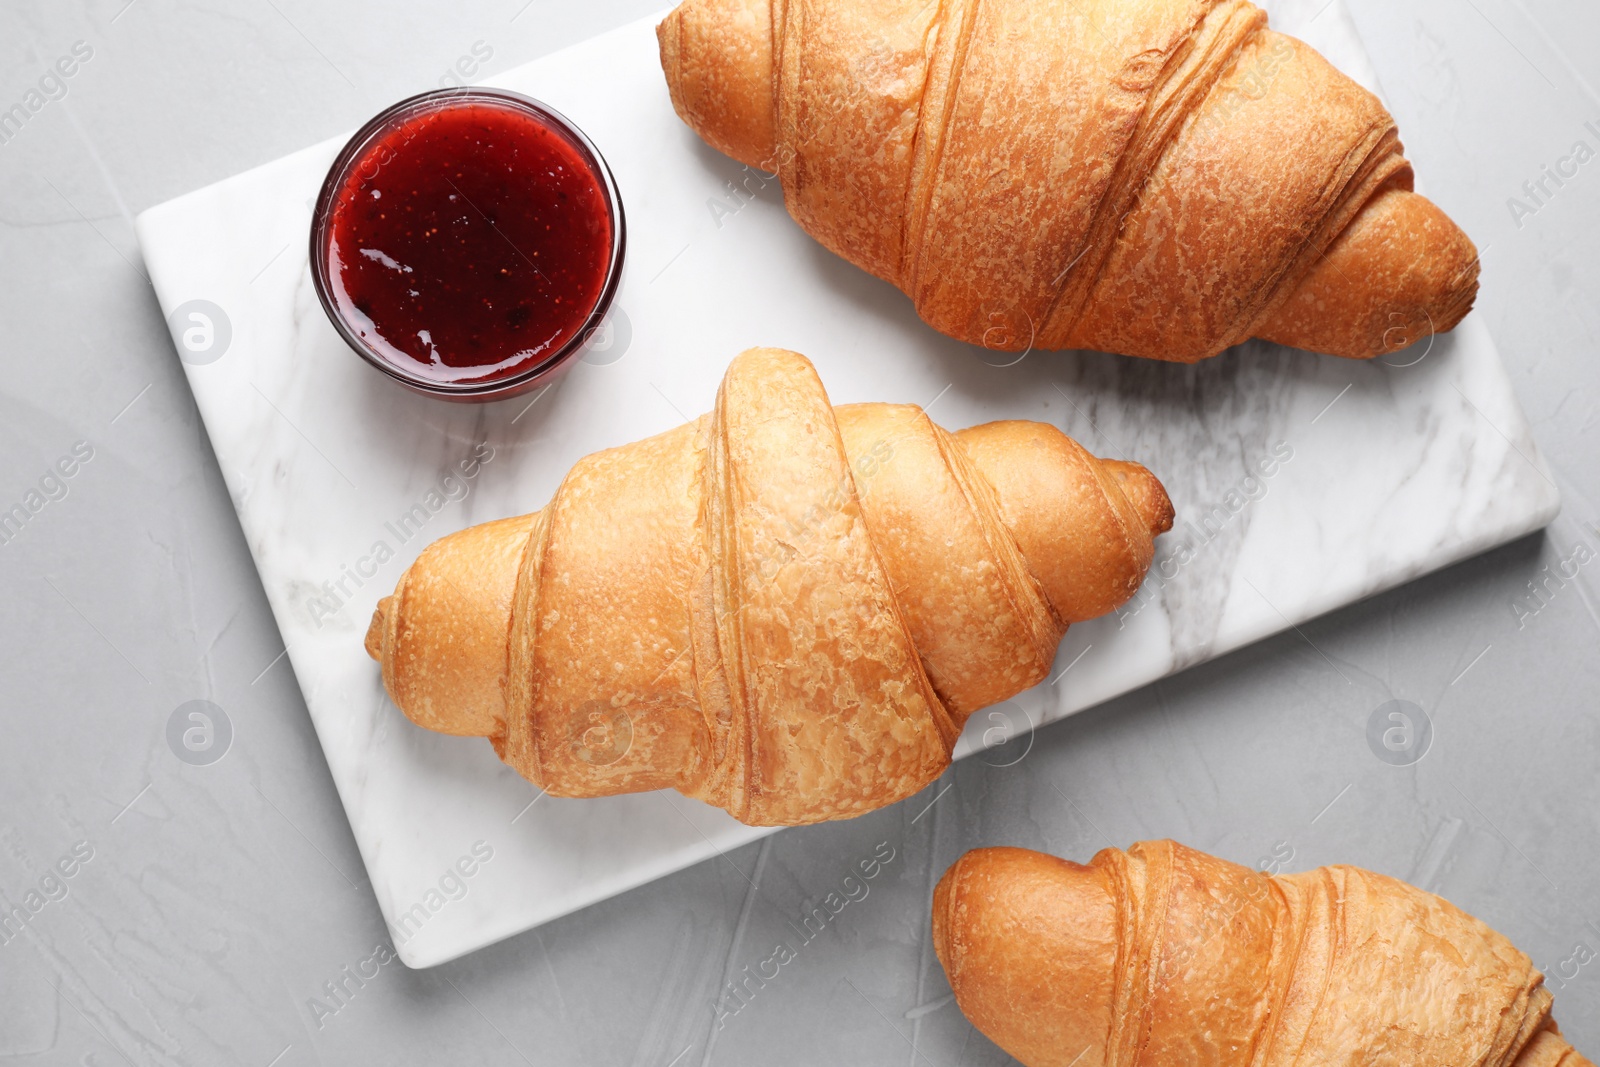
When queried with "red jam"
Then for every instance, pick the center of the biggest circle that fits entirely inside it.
(469, 242)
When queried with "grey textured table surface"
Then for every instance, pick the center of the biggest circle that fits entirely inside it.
(217, 903)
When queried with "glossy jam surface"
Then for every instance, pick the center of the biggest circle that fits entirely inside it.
(469, 243)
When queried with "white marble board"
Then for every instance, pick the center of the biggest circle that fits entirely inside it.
(1381, 472)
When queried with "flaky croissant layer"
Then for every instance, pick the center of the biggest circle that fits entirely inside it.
(1160, 178)
(782, 608)
(1162, 955)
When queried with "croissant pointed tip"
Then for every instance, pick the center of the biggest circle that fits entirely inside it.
(374, 641)
(1046, 996)
(441, 636)
(1146, 493)
(717, 58)
(1362, 300)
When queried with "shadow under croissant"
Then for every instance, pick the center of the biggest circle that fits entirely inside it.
(783, 608)
(1148, 394)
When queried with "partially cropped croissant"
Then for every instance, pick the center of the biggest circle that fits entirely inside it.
(782, 608)
(1161, 178)
(1164, 955)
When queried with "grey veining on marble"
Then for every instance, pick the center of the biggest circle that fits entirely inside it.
(222, 901)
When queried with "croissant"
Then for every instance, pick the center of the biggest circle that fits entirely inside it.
(782, 608)
(1159, 178)
(1165, 955)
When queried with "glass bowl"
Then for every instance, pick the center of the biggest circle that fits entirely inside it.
(366, 153)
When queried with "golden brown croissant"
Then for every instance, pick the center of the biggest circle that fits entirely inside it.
(1164, 955)
(1161, 178)
(782, 608)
